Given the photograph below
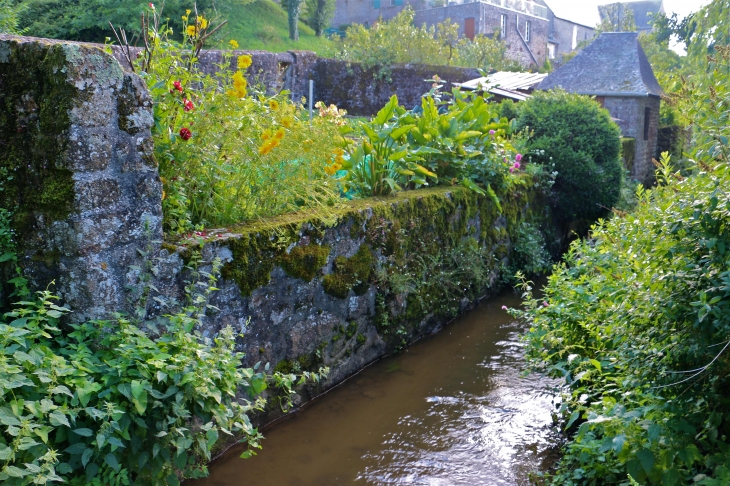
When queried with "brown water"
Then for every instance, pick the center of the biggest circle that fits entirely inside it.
(452, 409)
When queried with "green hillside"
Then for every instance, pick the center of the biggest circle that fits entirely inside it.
(263, 24)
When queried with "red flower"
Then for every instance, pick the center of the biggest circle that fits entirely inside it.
(178, 86)
(188, 105)
(152, 5)
(185, 134)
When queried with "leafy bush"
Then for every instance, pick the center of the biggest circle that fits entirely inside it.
(460, 142)
(120, 402)
(529, 254)
(229, 152)
(398, 40)
(578, 136)
(637, 321)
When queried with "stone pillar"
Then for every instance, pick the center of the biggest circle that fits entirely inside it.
(77, 171)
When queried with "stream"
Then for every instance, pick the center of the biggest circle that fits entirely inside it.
(452, 409)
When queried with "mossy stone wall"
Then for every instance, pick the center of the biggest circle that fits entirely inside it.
(344, 288)
(77, 170)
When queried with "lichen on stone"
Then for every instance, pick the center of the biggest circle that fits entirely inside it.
(350, 274)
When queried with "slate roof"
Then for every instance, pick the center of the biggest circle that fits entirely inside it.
(612, 65)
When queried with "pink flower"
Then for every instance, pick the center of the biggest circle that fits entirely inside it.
(511, 169)
(178, 86)
(188, 105)
(492, 132)
(504, 307)
(517, 165)
(544, 303)
(185, 134)
(518, 157)
(152, 5)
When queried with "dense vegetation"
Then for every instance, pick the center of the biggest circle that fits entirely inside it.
(636, 319)
(398, 40)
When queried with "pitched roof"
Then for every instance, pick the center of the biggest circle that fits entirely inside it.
(612, 65)
(508, 84)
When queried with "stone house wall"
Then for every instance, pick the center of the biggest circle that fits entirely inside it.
(564, 33)
(629, 114)
(363, 12)
(487, 20)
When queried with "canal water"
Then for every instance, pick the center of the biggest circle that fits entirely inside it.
(453, 409)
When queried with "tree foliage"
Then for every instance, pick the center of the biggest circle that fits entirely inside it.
(10, 13)
(400, 41)
(319, 14)
(576, 135)
(616, 17)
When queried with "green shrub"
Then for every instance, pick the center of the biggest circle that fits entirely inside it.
(578, 136)
(529, 253)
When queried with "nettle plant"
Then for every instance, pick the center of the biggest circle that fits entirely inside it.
(124, 401)
(228, 151)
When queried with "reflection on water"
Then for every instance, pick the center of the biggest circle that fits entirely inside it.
(451, 410)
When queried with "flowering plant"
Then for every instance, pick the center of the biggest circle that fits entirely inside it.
(229, 151)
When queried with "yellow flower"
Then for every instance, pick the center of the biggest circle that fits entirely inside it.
(266, 135)
(268, 146)
(239, 85)
(185, 18)
(233, 44)
(244, 61)
(202, 22)
(274, 105)
(187, 12)
(192, 30)
(287, 122)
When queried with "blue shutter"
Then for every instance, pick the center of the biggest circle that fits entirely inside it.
(376, 3)
(398, 2)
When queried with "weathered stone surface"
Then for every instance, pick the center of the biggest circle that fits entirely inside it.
(78, 167)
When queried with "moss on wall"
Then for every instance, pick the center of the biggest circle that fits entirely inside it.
(35, 101)
(305, 262)
(350, 274)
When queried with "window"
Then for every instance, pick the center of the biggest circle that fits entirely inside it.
(551, 51)
(396, 3)
(527, 31)
(376, 3)
(647, 117)
(502, 26)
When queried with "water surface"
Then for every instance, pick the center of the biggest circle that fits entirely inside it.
(452, 409)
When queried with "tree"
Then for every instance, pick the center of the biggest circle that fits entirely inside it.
(293, 9)
(616, 17)
(10, 13)
(319, 14)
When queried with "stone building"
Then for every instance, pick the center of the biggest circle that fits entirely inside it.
(522, 24)
(570, 25)
(615, 70)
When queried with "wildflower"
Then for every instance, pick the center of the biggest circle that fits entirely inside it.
(544, 303)
(187, 12)
(518, 157)
(202, 22)
(185, 134)
(274, 105)
(192, 31)
(268, 146)
(244, 61)
(184, 18)
(511, 169)
(279, 134)
(266, 135)
(492, 132)
(516, 165)
(287, 122)
(188, 105)
(239, 85)
(233, 44)
(152, 5)
(504, 307)
(178, 86)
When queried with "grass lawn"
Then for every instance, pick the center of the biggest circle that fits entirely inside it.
(263, 25)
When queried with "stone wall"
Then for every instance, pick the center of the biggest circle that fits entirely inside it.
(339, 288)
(629, 114)
(78, 170)
(362, 92)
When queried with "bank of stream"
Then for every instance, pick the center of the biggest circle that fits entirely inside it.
(452, 409)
